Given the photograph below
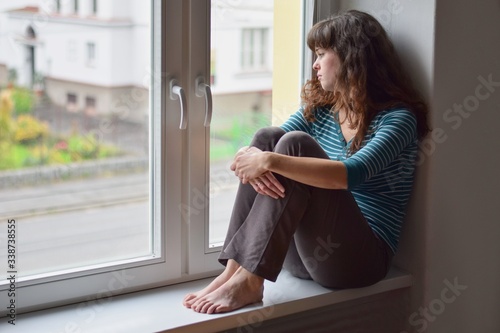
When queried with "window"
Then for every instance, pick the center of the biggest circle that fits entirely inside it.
(75, 7)
(254, 49)
(58, 6)
(90, 204)
(90, 106)
(142, 192)
(72, 51)
(94, 7)
(71, 102)
(91, 54)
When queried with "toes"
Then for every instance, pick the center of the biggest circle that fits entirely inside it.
(215, 308)
(206, 307)
(188, 300)
(196, 306)
(201, 306)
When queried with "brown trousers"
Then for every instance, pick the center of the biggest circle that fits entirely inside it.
(314, 233)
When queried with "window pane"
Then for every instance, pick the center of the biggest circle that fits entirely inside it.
(242, 91)
(74, 137)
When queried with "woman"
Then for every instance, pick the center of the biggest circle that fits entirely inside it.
(324, 195)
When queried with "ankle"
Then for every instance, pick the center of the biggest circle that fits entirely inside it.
(251, 279)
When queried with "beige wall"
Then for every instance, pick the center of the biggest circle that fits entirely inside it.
(286, 66)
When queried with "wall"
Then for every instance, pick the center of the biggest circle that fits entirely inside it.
(450, 240)
(464, 214)
(286, 68)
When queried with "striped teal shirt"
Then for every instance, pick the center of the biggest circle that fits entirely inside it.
(380, 174)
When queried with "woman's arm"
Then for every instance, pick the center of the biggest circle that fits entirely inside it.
(318, 172)
(254, 164)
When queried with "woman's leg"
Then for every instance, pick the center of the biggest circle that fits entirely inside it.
(265, 139)
(335, 246)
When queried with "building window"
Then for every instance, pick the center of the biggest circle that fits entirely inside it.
(71, 102)
(91, 54)
(94, 7)
(254, 49)
(71, 51)
(58, 6)
(90, 106)
(75, 7)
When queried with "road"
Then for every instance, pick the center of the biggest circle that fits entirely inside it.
(88, 222)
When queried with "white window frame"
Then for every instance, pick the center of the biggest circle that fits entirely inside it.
(180, 248)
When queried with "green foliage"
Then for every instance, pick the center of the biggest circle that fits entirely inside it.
(29, 130)
(23, 101)
(6, 124)
(26, 141)
(235, 132)
(13, 156)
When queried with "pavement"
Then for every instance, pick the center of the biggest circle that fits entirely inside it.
(73, 195)
(91, 192)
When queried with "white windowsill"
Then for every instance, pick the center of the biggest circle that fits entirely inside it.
(160, 310)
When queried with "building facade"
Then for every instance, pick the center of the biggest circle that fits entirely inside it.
(93, 56)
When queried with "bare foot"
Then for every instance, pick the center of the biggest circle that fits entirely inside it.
(243, 288)
(230, 269)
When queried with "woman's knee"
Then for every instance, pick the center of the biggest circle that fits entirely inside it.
(299, 143)
(266, 138)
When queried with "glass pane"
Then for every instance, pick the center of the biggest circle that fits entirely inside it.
(241, 78)
(74, 137)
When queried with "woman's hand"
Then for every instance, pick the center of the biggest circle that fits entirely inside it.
(248, 165)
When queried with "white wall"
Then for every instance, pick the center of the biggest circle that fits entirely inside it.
(107, 9)
(6, 38)
(450, 242)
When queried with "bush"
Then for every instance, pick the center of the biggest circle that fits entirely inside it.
(23, 101)
(83, 147)
(6, 123)
(29, 130)
(13, 156)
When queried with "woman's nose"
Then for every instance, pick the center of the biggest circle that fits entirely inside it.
(315, 65)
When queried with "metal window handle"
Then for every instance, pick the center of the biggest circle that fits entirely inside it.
(176, 92)
(203, 89)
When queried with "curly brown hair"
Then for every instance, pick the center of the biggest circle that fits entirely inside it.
(370, 78)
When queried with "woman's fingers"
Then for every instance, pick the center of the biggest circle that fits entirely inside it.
(268, 185)
(274, 183)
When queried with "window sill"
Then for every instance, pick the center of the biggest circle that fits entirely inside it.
(160, 310)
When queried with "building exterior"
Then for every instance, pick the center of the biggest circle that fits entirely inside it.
(93, 56)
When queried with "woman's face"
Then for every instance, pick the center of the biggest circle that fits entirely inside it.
(327, 65)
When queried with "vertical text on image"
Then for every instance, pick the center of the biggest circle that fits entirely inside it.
(11, 270)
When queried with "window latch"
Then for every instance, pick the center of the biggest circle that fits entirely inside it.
(203, 90)
(177, 92)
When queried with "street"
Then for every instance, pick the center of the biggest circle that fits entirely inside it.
(88, 222)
